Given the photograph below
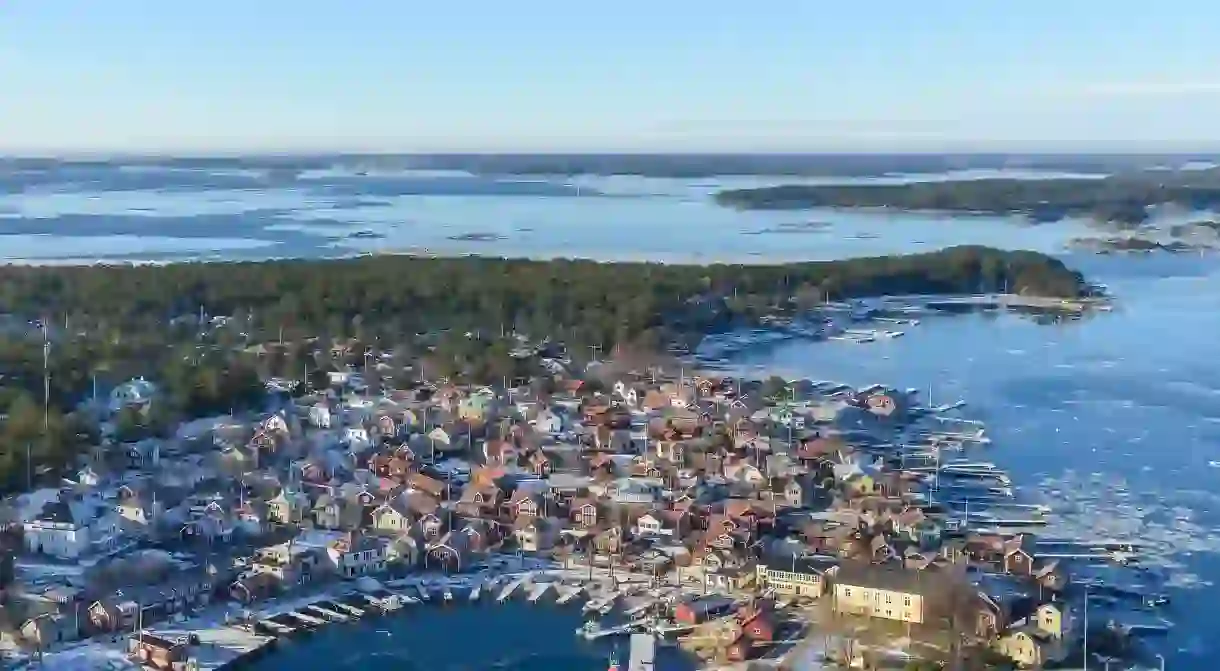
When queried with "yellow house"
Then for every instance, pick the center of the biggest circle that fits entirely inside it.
(1053, 621)
(861, 484)
(1043, 640)
(888, 592)
(1031, 648)
(800, 578)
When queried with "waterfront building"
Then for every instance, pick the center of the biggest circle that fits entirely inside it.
(886, 592)
(802, 577)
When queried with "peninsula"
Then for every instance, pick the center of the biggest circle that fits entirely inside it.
(211, 334)
(1122, 199)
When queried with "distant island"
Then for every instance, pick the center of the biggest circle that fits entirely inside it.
(1121, 199)
(1134, 245)
(477, 237)
(1196, 236)
(688, 166)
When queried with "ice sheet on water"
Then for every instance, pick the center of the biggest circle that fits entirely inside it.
(90, 656)
(1169, 524)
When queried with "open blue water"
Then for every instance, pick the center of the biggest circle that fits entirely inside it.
(1114, 419)
(514, 636)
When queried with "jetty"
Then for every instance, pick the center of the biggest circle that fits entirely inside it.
(353, 604)
(569, 594)
(637, 608)
(327, 611)
(539, 591)
(603, 604)
(423, 593)
(277, 627)
(511, 588)
(308, 620)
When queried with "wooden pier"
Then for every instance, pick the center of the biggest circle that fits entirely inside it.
(539, 591)
(306, 619)
(327, 611)
(511, 588)
(354, 605)
(570, 594)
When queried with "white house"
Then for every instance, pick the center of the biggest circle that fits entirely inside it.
(319, 415)
(353, 556)
(629, 395)
(71, 527)
(357, 438)
(548, 421)
(133, 393)
(648, 525)
(392, 517)
(635, 490)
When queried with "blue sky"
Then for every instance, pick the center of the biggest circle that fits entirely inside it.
(630, 75)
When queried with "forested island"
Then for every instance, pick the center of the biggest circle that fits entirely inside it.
(1121, 199)
(688, 166)
(211, 334)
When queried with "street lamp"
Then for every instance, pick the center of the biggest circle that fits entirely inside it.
(1161, 659)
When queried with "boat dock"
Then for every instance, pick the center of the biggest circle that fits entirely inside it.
(423, 593)
(637, 608)
(306, 619)
(353, 604)
(603, 604)
(539, 591)
(511, 588)
(327, 611)
(276, 626)
(643, 652)
(220, 647)
(569, 594)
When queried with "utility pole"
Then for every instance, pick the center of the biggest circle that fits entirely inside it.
(1086, 628)
(46, 381)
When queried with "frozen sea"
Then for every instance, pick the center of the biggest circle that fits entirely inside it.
(1115, 419)
(83, 213)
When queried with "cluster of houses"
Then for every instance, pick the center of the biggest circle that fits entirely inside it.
(698, 479)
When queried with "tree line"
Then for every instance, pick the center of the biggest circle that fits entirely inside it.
(1121, 199)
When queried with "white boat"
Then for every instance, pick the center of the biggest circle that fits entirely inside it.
(664, 629)
(476, 592)
(448, 594)
(594, 630)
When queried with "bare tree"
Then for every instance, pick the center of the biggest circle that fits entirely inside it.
(954, 602)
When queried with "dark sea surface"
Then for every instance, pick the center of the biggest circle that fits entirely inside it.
(1114, 420)
(514, 636)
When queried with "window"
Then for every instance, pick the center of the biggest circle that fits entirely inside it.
(906, 601)
(847, 592)
(889, 599)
